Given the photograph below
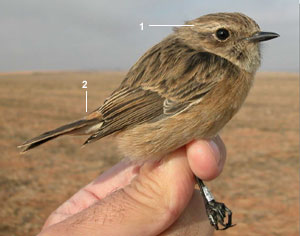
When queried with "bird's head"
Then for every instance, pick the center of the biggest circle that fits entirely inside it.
(233, 36)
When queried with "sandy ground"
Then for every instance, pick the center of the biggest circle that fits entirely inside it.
(260, 182)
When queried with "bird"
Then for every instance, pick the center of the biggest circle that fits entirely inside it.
(186, 87)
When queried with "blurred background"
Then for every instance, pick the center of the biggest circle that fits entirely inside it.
(93, 35)
(47, 48)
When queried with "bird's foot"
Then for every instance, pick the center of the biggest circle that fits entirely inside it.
(216, 212)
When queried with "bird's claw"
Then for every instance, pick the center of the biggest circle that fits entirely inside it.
(217, 212)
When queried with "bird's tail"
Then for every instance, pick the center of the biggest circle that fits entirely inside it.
(85, 126)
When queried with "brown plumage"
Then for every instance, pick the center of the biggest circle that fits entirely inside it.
(186, 87)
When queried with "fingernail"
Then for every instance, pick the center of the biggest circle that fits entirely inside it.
(216, 152)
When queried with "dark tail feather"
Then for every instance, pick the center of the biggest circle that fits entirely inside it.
(78, 127)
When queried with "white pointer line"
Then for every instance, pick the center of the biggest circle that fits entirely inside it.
(85, 101)
(169, 25)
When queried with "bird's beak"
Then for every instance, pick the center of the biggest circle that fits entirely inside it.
(262, 36)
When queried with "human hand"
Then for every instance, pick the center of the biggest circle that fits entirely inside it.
(153, 198)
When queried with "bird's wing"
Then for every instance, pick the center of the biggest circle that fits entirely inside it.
(151, 92)
(129, 107)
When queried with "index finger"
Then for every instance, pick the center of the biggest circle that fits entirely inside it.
(111, 180)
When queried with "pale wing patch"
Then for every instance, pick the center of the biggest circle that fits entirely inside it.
(172, 108)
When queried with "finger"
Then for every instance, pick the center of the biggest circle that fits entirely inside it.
(113, 179)
(193, 221)
(207, 157)
(149, 205)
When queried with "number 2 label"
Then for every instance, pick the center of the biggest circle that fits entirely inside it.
(84, 84)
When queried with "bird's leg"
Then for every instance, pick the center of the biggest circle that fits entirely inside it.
(216, 211)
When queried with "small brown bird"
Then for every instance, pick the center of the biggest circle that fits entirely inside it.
(186, 87)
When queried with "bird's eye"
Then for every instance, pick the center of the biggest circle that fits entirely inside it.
(222, 34)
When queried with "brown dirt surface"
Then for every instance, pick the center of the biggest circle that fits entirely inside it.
(260, 181)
